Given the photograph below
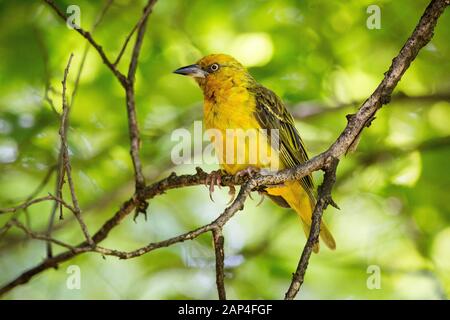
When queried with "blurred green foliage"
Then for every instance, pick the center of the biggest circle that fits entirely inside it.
(393, 191)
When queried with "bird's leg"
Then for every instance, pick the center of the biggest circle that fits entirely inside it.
(214, 178)
(249, 171)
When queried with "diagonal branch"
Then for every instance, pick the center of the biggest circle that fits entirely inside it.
(66, 167)
(421, 35)
(127, 40)
(133, 128)
(87, 35)
(323, 200)
(128, 85)
(97, 21)
(142, 26)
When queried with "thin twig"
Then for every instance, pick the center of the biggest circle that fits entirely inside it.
(47, 71)
(124, 46)
(142, 26)
(66, 159)
(60, 176)
(96, 23)
(38, 236)
(127, 40)
(122, 79)
(26, 204)
(128, 84)
(133, 127)
(29, 203)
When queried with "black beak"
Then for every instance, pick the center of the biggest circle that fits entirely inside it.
(194, 70)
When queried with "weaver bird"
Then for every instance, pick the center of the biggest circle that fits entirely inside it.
(234, 100)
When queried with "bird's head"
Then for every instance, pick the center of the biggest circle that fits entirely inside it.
(216, 71)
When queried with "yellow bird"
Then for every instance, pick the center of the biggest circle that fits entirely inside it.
(233, 100)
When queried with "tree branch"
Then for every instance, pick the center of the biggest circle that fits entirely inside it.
(38, 236)
(133, 128)
(29, 203)
(171, 182)
(142, 26)
(122, 79)
(97, 21)
(65, 156)
(128, 85)
(61, 169)
(127, 40)
(220, 257)
(421, 35)
(326, 161)
(323, 200)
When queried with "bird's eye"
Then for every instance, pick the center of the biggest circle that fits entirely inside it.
(214, 67)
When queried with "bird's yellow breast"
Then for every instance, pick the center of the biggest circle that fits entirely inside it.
(229, 114)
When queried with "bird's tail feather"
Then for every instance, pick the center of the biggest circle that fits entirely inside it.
(325, 236)
(300, 201)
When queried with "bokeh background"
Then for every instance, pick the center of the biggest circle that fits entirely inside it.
(320, 57)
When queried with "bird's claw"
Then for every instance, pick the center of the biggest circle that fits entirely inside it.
(263, 196)
(214, 178)
(232, 193)
(249, 171)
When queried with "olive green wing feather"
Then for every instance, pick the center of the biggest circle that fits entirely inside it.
(272, 114)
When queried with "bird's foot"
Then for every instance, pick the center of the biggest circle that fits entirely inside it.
(249, 171)
(214, 178)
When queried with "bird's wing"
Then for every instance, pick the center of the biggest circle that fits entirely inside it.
(272, 114)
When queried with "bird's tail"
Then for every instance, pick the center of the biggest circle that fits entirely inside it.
(325, 236)
(299, 200)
